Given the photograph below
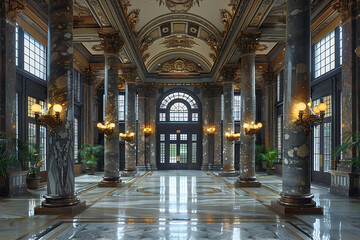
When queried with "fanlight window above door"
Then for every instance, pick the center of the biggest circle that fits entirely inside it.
(179, 112)
(179, 95)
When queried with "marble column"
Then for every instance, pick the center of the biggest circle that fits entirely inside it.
(350, 98)
(60, 162)
(228, 125)
(111, 43)
(8, 14)
(130, 127)
(88, 122)
(217, 163)
(150, 110)
(142, 124)
(296, 196)
(207, 122)
(247, 43)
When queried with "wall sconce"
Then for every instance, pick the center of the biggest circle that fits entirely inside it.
(357, 51)
(210, 130)
(232, 136)
(108, 129)
(251, 129)
(51, 120)
(307, 120)
(147, 131)
(128, 137)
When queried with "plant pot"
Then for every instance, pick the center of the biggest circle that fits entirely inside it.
(90, 170)
(270, 171)
(32, 182)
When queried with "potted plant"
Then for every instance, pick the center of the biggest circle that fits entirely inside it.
(259, 149)
(269, 156)
(90, 156)
(350, 143)
(34, 160)
(7, 154)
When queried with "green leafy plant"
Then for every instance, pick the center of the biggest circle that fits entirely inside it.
(351, 142)
(90, 155)
(8, 154)
(259, 149)
(270, 155)
(34, 159)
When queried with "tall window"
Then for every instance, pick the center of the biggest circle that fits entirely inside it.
(121, 100)
(280, 136)
(340, 44)
(237, 107)
(34, 56)
(322, 138)
(77, 86)
(279, 86)
(37, 133)
(76, 138)
(17, 44)
(325, 54)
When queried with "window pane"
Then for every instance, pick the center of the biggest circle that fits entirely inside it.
(32, 133)
(193, 155)
(121, 100)
(327, 147)
(173, 137)
(173, 153)
(178, 95)
(325, 54)
(178, 112)
(162, 152)
(316, 146)
(279, 136)
(31, 101)
(183, 137)
(237, 108)
(43, 149)
(183, 153)
(76, 138)
(195, 117)
(34, 57)
(162, 137)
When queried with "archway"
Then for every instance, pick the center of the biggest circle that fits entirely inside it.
(179, 131)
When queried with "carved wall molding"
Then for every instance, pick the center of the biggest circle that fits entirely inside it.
(261, 13)
(133, 19)
(179, 65)
(248, 42)
(99, 12)
(179, 41)
(81, 10)
(214, 45)
(344, 7)
(179, 5)
(111, 42)
(14, 8)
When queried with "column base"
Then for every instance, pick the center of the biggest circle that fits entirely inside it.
(60, 205)
(229, 173)
(205, 167)
(142, 168)
(110, 182)
(283, 209)
(252, 183)
(216, 168)
(129, 172)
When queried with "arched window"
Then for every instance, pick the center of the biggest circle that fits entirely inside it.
(179, 107)
(179, 112)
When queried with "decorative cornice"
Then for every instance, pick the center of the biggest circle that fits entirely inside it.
(14, 8)
(98, 12)
(179, 5)
(344, 7)
(176, 41)
(179, 65)
(111, 42)
(248, 42)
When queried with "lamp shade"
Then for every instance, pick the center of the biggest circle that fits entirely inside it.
(259, 125)
(57, 108)
(316, 110)
(99, 125)
(322, 107)
(301, 106)
(112, 125)
(36, 108)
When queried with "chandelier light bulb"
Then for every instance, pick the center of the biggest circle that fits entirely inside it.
(36, 108)
(57, 108)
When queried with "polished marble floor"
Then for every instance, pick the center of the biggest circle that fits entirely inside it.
(180, 205)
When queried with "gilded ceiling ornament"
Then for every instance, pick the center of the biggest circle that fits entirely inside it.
(225, 19)
(179, 65)
(261, 47)
(145, 57)
(111, 42)
(179, 41)
(14, 8)
(344, 7)
(233, 4)
(133, 19)
(248, 42)
(148, 41)
(212, 56)
(211, 41)
(179, 5)
(125, 6)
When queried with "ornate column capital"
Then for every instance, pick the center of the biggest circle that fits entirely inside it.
(269, 77)
(248, 42)
(89, 77)
(344, 7)
(228, 74)
(14, 8)
(111, 42)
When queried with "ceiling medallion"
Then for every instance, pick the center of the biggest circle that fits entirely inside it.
(179, 5)
(179, 66)
(179, 41)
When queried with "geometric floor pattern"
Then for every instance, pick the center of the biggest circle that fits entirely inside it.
(180, 204)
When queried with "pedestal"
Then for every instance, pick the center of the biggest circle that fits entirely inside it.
(249, 183)
(110, 182)
(283, 209)
(68, 210)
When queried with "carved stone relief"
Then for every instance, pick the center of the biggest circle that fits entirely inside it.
(179, 5)
(179, 65)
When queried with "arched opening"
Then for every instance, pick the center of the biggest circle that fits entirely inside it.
(179, 131)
